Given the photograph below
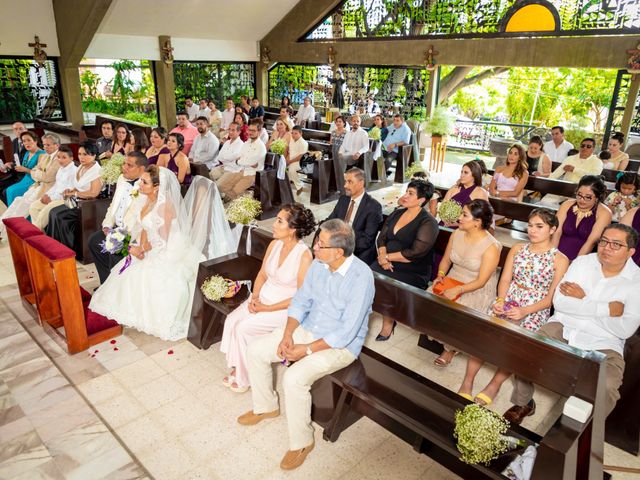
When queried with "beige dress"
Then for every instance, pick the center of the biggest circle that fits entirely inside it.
(466, 260)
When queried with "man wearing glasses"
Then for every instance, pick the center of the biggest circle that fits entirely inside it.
(597, 307)
(325, 331)
(573, 168)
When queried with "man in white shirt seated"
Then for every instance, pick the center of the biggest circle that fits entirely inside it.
(234, 184)
(229, 154)
(372, 107)
(573, 168)
(355, 143)
(285, 117)
(203, 110)
(597, 307)
(557, 148)
(205, 146)
(263, 134)
(191, 109)
(298, 146)
(65, 176)
(306, 113)
(227, 117)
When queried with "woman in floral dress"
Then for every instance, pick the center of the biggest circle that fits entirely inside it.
(525, 292)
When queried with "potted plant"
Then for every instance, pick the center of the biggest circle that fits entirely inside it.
(439, 124)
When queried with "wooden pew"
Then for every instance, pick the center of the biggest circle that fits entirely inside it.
(608, 174)
(404, 160)
(420, 411)
(75, 136)
(270, 190)
(92, 213)
(60, 300)
(7, 148)
(18, 230)
(95, 131)
(325, 186)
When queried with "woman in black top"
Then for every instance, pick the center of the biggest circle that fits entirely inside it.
(405, 243)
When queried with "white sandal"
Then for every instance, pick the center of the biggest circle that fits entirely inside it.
(237, 389)
(228, 380)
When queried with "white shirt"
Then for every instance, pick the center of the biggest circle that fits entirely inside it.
(229, 155)
(264, 135)
(356, 205)
(227, 118)
(581, 167)
(305, 114)
(586, 321)
(252, 156)
(297, 147)
(205, 149)
(65, 178)
(206, 113)
(373, 108)
(355, 141)
(557, 154)
(192, 112)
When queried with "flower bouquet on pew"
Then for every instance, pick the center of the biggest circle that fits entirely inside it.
(243, 210)
(481, 435)
(412, 169)
(375, 133)
(278, 146)
(450, 211)
(215, 288)
(112, 168)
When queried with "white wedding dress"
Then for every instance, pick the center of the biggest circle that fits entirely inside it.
(154, 295)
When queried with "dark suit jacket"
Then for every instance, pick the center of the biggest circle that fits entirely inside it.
(18, 148)
(366, 224)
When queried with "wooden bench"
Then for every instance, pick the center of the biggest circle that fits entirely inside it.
(18, 230)
(270, 190)
(404, 160)
(75, 136)
(420, 411)
(7, 148)
(325, 185)
(60, 300)
(608, 174)
(92, 213)
(95, 131)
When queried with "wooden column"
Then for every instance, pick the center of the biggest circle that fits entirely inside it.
(166, 89)
(262, 83)
(431, 94)
(630, 107)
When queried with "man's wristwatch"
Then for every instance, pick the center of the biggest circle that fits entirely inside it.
(309, 351)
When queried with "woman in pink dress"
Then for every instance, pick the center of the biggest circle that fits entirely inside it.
(283, 270)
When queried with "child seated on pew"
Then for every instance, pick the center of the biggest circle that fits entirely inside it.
(625, 197)
(525, 293)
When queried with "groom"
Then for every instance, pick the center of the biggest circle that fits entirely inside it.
(121, 212)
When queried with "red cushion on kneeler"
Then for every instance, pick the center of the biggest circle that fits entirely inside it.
(96, 322)
(86, 296)
(22, 227)
(50, 248)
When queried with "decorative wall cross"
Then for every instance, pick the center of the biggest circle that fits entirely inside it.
(39, 55)
(167, 52)
(430, 58)
(264, 58)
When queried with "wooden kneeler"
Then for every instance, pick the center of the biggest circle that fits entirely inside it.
(60, 300)
(18, 230)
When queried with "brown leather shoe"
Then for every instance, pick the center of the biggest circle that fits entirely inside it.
(294, 458)
(517, 413)
(251, 418)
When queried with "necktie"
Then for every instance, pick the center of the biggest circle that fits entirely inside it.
(347, 217)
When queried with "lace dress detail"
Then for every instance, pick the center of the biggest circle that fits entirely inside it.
(532, 277)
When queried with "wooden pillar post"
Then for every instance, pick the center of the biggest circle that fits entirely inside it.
(71, 95)
(630, 107)
(166, 88)
(262, 83)
(431, 97)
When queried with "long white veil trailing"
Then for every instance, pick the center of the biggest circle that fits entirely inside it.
(209, 229)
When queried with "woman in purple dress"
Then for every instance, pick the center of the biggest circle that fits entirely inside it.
(582, 221)
(632, 218)
(177, 162)
(158, 150)
(468, 188)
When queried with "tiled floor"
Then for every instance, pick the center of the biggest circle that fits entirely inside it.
(139, 407)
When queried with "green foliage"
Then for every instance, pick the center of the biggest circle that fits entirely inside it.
(17, 99)
(215, 81)
(89, 82)
(441, 122)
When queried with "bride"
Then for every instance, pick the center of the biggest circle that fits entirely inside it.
(154, 293)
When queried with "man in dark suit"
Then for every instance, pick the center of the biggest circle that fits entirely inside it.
(362, 212)
(18, 147)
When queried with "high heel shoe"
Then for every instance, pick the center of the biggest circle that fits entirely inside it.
(384, 338)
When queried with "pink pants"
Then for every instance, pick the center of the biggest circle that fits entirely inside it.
(240, 329)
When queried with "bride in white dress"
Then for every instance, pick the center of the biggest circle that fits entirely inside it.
(155, 292)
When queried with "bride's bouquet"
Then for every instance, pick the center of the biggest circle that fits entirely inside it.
(116, 242)
(480, 433)
(278, 146)
(243, 210)
(450, 211)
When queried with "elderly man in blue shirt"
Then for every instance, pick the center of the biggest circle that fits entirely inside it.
(399, 135)
(325, 331)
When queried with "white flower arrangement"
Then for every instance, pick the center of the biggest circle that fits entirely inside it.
(215, 288)
(112, 168)
(450, 211)
(243, 210)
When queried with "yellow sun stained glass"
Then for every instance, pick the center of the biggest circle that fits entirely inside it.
(531, 18)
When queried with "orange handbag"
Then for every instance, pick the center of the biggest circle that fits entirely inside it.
(446, 284)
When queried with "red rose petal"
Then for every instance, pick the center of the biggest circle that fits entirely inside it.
(93, 355)
(95, 351)
(115, 349)
(112, 342)
(170, 352)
